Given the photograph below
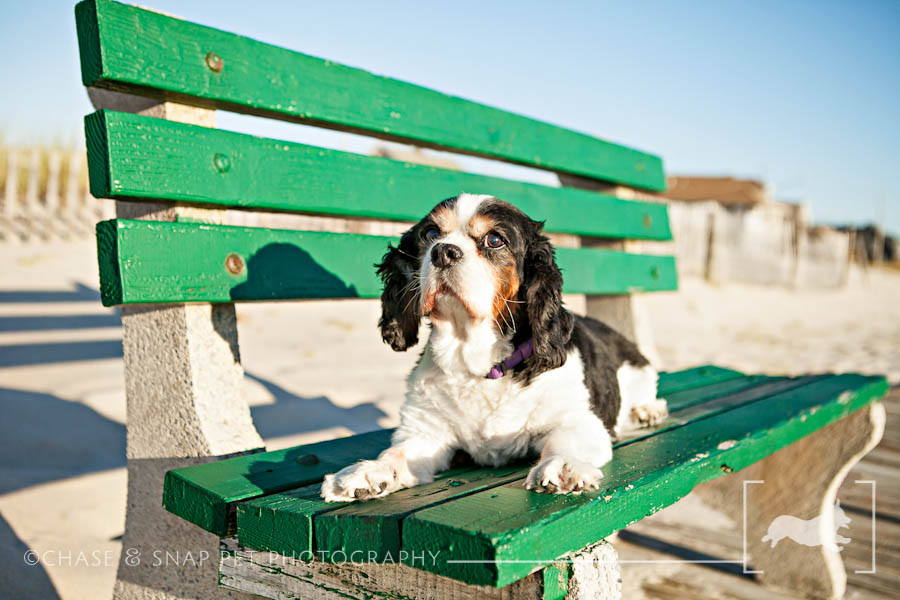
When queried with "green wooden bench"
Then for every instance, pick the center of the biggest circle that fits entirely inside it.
(181, 254)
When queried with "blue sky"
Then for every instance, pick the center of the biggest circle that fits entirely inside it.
(803, 95)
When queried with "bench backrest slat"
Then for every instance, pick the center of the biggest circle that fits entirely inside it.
(132, 156)
(121, 49)
(151, 262)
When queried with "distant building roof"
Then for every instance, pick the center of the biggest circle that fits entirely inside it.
(725, 190)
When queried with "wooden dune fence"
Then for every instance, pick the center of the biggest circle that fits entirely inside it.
(44, 196)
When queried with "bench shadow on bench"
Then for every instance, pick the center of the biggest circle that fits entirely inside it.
(284, 270)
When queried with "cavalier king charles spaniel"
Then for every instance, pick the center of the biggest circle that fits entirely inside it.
(507, 370)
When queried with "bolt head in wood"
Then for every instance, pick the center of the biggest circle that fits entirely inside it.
(234, 264)
(214, 62)
(222, 163)
(308, 460)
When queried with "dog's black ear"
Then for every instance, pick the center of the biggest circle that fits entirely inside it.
(400, 308)
(551, 324)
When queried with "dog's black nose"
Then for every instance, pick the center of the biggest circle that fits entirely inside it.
(444, 255)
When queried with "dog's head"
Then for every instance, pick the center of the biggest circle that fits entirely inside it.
(474, 259)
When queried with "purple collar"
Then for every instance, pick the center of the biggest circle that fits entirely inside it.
(522, 351)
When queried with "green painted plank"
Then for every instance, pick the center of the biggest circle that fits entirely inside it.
(556, 581)
(684, 412)
(709, 388)
(709, 403)
(282, 522)
(374, 526)
(142, 52)
(592, 271)
(689, 378)
(360, 532)
(205, 494)
(671, 382)
(499, 536)
(151, 262)
(132, 156)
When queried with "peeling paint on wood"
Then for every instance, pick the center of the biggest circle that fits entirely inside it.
(133, 157)
(206, 494)
(501, 532)
(156, 262)
(130, 49)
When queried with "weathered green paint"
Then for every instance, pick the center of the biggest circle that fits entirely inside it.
(713, 388)
(142, 52)
(475, 514)
(362, 528)
(757, 387)
(152, 262)
(133, 157)
(108, 263)
(374, 527)
(690, 407)
(508, 524)
(205, 494)
(282, 522)
(689, 378)
(556, 581)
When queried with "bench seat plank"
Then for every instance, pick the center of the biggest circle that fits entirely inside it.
(120, 49)
(501, 535)
(132, 156)
(374, 526)
(206, 494)
(695, 377)
(156, 262)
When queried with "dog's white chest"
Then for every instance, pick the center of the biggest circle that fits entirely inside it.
(490, 418)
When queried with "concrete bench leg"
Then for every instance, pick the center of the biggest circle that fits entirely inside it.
(800, 480)
(185, 405)
(593, 574)
(624, 313)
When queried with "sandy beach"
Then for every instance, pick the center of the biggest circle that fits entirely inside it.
(315, 370)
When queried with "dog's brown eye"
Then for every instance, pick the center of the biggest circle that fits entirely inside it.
(431, 233)
(493, 240)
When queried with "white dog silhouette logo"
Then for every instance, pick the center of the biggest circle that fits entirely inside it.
(809, 533)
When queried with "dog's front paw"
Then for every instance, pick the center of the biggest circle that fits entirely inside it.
(365, 480)
(649, 415)
(559, 475)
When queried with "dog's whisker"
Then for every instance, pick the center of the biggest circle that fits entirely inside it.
(511, 316)
(504, 320)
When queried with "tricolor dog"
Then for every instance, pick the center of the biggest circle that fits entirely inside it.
(507, 369)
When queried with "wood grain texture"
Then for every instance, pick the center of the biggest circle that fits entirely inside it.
(159, 262)
(375, 526)
(290, 577)
(491, 517)
(504, 533)
(695, 377)
(206, 495)
(708, 401)
(129, 49)
(132, 156)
